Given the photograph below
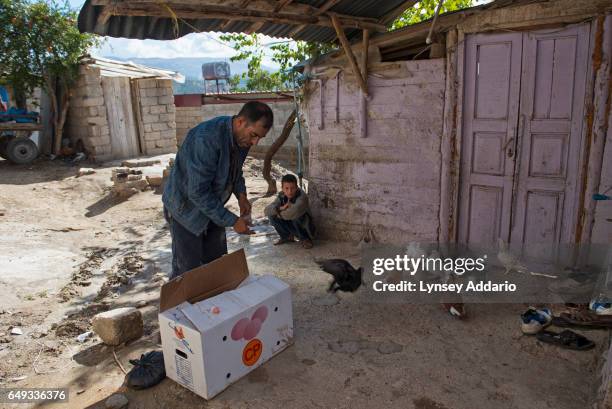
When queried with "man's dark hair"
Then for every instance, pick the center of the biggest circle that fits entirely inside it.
(289, 178)
(253, 111)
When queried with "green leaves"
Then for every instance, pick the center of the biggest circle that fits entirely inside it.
(39, 40)
(285, 54)
(425, 9)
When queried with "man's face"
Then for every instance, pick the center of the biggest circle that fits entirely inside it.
(248, 134)
(289, 189)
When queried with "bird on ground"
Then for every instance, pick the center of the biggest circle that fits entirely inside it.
(508, 260)
(346, 277)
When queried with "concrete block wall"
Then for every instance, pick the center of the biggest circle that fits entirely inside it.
(158, 115)
(388, 181)
(188, 117)
(87, 119)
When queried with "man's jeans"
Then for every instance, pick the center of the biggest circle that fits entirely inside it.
(190, 251)
(286, 228)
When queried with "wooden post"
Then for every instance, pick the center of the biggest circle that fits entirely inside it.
(448, 187)
(135, 88)
(349, 53)
(363, 112)
(364, 57)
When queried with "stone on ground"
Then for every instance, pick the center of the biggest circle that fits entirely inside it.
(85, 171)
(139, 163)
(119, 325)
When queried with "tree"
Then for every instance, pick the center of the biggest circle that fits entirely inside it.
(425, 9)
(286, 54)
(40, 46)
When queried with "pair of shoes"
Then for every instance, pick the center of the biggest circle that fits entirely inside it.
(534, 320)
(307, 244)
(280, 241)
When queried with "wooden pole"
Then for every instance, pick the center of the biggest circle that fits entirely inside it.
(364, 57)
(349, 53)
(267, 167)
(363, 112)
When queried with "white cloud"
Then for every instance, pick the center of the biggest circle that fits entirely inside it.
(192, 45)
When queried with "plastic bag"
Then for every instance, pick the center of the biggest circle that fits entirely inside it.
(148, 371)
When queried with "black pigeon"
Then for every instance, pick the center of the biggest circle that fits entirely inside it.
(346, 278)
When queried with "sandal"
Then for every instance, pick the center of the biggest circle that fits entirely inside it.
(566, 339)
(583, 319)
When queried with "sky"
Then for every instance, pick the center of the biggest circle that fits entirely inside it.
(191, 45)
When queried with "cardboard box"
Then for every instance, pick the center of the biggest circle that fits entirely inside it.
(218, 323)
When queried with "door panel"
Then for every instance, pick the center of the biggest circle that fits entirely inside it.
(552, 103)
(491, 102)
(122, 126)
(522, 140)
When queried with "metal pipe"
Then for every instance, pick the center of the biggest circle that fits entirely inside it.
(300, 153)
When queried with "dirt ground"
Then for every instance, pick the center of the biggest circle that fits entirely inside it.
(69, 249)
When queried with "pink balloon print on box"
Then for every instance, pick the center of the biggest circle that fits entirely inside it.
(239, 327)
(252, 329)
(249, 328)
(261, 313)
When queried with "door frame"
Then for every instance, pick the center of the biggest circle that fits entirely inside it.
(452, 190)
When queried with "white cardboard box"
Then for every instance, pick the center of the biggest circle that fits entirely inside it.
(210, 344)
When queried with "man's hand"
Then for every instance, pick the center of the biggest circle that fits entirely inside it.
(245, 205)
(285, 206)
(242, 227)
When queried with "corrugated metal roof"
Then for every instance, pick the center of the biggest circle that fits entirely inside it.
(162, 28)
(113, 68)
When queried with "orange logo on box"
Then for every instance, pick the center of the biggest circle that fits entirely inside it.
(252, 352)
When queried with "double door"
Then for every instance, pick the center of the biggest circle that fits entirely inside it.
(522, 137)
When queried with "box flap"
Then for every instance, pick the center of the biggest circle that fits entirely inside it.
(223, 274)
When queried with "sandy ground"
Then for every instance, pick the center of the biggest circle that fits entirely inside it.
(69, 250)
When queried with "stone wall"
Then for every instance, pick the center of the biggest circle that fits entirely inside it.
(389, 180)
(158, 116)
(188, 117)
(87, 119)
(87, 116)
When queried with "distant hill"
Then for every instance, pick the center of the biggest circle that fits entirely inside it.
(189, 67)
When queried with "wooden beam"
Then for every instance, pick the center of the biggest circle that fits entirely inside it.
(103, 18)
(326, 6)
(364, 57)
(257, 26)
(233, 13)
(393, 14)
(363, 113)
(349, 53)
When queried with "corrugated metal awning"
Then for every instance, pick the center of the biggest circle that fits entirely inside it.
(307, 20)
(113, 68)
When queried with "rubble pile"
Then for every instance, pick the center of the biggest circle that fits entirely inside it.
(128, 181)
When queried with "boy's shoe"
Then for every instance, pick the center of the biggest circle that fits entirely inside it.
(280, 241)
(600, 307)
(307, 244)
(535, 320)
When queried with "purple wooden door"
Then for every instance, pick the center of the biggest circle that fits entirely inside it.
(524, 101)
(550, 142)
(491, 106)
